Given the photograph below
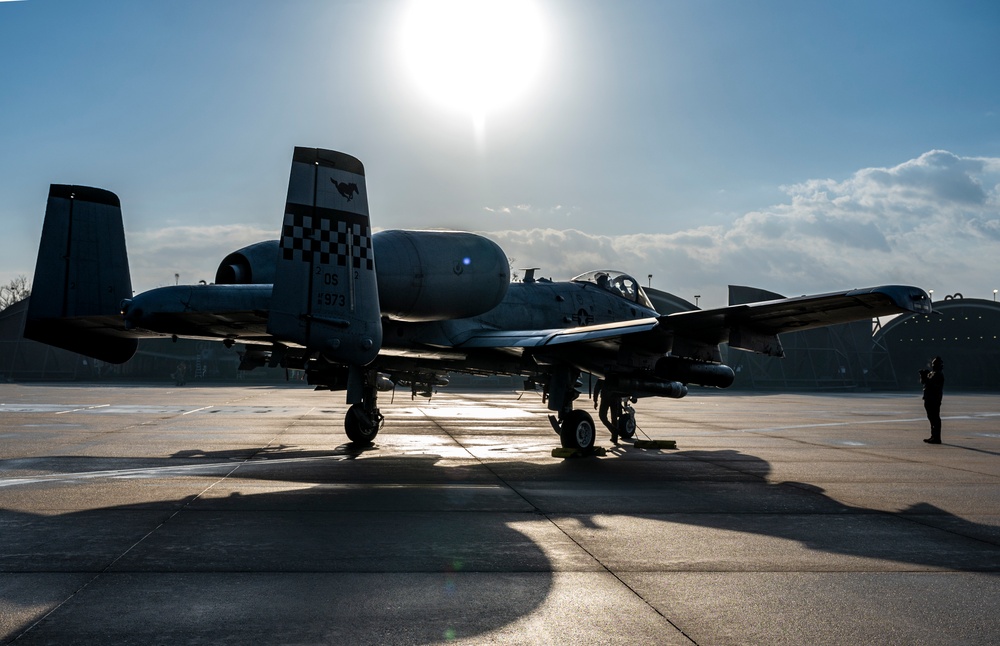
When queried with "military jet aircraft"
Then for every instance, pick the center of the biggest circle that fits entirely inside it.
(359, 312)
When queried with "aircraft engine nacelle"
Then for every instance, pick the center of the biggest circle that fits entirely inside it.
(713, 375)
(252, 265)
(437, 275)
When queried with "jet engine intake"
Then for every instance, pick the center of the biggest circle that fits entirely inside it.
(714, 375)
(438, 275)
(252, 265)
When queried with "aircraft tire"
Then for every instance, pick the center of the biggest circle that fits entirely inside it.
(626, 426)
(359, 429)
(578, 431)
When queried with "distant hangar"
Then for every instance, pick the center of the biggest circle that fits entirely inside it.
(881, 355)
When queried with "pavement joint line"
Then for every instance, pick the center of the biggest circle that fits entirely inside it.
(549, 519)
(107, 568)
(110, 565)
(619, 579)
(915, 518)
(910, 518)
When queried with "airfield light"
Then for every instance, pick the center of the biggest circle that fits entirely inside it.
(696, 297)
(650, 279)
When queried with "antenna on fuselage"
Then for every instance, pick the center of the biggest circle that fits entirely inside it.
(529, 274)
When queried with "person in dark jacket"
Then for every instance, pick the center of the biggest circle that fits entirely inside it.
(933, 382)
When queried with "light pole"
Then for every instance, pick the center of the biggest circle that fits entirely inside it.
(650, 279)
(696, 297)
(994, 296)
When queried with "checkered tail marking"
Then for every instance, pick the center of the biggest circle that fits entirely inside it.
(324, 236)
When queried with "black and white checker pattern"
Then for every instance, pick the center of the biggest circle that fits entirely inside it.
(322, 239)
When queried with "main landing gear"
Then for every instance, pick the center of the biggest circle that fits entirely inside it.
(363, 420)
(575, 427)
(576, 430)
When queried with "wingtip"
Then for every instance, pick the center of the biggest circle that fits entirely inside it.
(905, 297)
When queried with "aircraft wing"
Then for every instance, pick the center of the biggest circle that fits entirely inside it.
(751, 326)
(755, 326)
(558, 336)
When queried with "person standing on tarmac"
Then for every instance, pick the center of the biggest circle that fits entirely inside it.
(933, 382)
(610, 409)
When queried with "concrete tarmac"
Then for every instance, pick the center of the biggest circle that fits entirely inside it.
(235, 515)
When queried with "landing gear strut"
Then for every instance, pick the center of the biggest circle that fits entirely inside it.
(363, 420)
(575, 427)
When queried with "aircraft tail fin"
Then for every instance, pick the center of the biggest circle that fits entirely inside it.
(325, 293)
(81, 276)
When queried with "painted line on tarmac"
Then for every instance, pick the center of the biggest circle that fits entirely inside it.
(197, 409)
(149, 472)
(77, 410)
(906, 420)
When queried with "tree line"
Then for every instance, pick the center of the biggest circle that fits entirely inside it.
(15, 291)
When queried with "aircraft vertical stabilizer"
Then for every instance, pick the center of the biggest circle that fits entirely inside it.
(325, 294)
(81, 275)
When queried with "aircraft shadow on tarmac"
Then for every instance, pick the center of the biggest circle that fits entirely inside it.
(383, 523)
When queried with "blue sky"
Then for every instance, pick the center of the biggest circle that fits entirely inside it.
(792, 145)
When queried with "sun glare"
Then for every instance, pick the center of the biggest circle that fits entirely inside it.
(474, 56)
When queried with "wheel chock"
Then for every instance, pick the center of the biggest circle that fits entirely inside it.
(563, 452)
(655, 444)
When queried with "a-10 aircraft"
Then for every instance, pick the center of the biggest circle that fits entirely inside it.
(357, 311)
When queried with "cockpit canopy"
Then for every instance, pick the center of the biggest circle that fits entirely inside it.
(618, 283)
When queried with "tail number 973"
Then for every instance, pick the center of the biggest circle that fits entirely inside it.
(331, 300)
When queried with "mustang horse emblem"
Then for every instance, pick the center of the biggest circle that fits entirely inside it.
(345, 189)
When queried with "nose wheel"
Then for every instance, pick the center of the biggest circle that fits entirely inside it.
(626, 424)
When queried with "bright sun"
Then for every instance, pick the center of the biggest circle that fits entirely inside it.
(475, 56)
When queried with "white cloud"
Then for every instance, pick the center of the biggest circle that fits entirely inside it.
(522, 211)
(933, 221)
